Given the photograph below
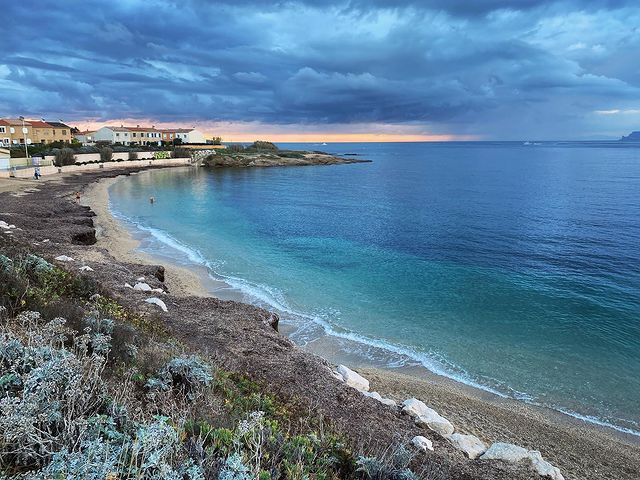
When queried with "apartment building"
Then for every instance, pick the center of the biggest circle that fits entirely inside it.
(14, 131)
(186, 135)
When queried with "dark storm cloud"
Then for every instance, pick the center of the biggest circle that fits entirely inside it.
(494, 67)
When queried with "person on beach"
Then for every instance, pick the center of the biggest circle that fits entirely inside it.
(78, 197)
(36, 173)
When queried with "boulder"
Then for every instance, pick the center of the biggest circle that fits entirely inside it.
(126, 285)
(140, 279)
(514, 454)
(427, 417)
(380, 398)
(422, 443)
(142, 286)
(4, 225)
(158, 302)
(353, 379)
(64, 258)
(437, 424)
(86, 268)
(471, 445)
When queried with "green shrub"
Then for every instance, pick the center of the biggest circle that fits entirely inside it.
(106, 154)
(64, 156)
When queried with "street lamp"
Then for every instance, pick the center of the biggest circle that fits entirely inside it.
(24, 132)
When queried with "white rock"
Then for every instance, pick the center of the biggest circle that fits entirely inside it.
(140, 279)
(142, 286)
(86, 268)
(422, 443)
(471, 445)
(427, 417)
(438, 424)
(126, 285)
(64, 258)
(514, 454)
(337, 375)
(380, 398)
(159, 290)
(45, 240)
(157, 301)
(4, 225)
(353, 379)
(543, 467)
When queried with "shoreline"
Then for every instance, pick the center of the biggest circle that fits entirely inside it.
(503, 418)
(241, 339)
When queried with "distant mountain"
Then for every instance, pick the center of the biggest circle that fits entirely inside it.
(632, 137)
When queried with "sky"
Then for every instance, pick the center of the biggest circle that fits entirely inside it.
(358, 70)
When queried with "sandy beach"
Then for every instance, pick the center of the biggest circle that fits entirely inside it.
(236, 333)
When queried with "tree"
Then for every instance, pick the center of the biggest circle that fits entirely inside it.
(217, 140)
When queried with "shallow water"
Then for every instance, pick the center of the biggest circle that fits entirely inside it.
(515, 268)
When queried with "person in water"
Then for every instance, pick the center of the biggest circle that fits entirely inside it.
(152, 200)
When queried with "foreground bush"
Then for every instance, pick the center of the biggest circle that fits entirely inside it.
(64, 156)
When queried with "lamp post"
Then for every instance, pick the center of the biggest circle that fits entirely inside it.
(24, 132)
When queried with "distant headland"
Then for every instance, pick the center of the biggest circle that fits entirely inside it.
(632, 137)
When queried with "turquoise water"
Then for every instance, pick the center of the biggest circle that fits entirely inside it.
(510, 267)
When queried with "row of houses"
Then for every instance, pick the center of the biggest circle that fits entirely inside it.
(141, 135)
(17, 131)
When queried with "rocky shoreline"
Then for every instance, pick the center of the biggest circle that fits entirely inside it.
(242, 338)
(275, 159)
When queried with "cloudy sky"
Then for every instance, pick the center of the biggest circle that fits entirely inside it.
(360, 69)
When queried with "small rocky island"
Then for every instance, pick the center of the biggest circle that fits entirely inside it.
(267, 154)
(632, 137)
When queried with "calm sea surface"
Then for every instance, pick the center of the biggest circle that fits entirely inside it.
(507, 266)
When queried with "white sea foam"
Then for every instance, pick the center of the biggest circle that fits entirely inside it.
(268, 296)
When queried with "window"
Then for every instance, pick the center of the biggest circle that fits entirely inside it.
(64, 132)
(133, 134)
(3, 129)
(117, 134)
(13, 130)
(6, 141)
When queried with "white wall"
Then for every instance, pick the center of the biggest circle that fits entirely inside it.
(195, 136)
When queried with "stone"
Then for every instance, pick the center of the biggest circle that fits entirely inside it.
(471, 445)
(437, 424)
(4, 225)
(422, 443)
(380, 398)
(86, 268)
(337, 375)
(140, 279)
(353, 379)
(64, 258)
(427, 417)
(514, 454)
(126, 285)
(142, 286)
(158, 302)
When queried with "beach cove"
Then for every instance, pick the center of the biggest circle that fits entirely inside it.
(581, 451)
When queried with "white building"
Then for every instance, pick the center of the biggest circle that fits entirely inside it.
(186, 135)
(113, 135)
(85, 138)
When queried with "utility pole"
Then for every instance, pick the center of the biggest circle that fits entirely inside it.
(24, 132)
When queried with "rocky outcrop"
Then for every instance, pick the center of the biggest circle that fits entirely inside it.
(471, 445)
(515, 454)
(273, 159)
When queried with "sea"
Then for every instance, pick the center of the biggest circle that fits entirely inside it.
(513, 267)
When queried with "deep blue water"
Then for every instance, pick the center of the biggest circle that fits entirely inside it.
(511, 267)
